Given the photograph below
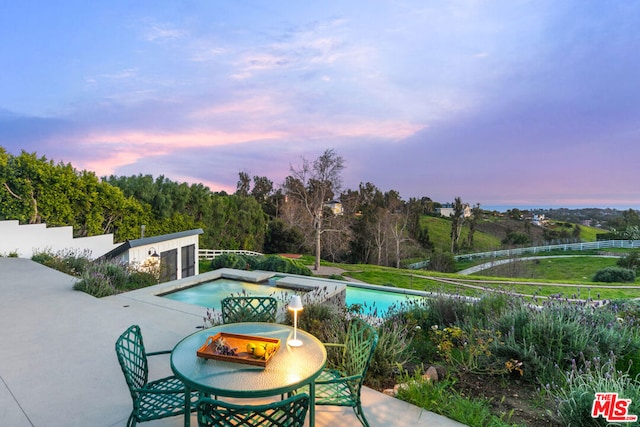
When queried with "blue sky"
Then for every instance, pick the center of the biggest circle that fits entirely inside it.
(519, 103)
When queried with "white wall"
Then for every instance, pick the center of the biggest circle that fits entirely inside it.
(29, 238)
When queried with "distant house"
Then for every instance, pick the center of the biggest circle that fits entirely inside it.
(538, 219)
(335, 206)
(175, 254)
(448, 210)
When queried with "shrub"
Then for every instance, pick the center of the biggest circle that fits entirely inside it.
(283, 265)
(72, 262)
(445, 310)
(141, 279)
(516, 238)
(229, 260)
(95, 282)
(102, 279)
(392, 352)
(325, 321)
(582, 381)
(440, 397)
(443, 262)
(630, 261)
(614, 274)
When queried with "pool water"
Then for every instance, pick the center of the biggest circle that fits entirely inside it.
(210, 294)
(373, 299)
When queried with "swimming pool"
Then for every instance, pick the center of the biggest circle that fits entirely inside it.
(210, 294)
(378, 299)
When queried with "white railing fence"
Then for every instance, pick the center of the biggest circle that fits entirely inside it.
(209, 254)
(580, 246)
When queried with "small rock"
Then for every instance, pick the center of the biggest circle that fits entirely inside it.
(431, 374)
(441, 370)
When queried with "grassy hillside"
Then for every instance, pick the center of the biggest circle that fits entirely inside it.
(440, 235)
(492, 230)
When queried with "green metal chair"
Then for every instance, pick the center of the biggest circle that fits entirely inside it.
(152, 400)
(342, 386)
(290, 412)
(249, 309)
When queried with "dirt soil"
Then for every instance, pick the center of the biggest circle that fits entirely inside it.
(507, 396)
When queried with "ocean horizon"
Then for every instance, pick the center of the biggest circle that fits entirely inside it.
(504, 208)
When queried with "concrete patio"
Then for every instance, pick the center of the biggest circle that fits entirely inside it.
(58, 366)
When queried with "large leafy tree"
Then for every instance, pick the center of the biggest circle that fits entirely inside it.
(36, 190)
(309, 187)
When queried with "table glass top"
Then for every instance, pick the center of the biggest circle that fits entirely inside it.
(288, 369)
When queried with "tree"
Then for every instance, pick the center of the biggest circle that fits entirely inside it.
(457, 219)
(310, 186)
(244, 182)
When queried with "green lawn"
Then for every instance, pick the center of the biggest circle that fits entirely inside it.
(552, 273)
(575, 268)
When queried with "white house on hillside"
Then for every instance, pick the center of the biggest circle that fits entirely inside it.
(448, 210)
(335, 206)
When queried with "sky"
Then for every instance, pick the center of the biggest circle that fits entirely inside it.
(511, 102)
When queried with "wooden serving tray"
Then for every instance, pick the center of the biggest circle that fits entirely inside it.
(240, 342)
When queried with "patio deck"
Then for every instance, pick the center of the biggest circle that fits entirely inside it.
(58, 365)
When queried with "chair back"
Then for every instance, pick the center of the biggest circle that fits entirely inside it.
(290, 412)
(133, 359)
(361, 342)
(249, 309)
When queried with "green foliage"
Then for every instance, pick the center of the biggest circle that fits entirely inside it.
(614, 274)
(97, 280)
(441, 261)
(445, 311)
(102, 279)
(516, 238)
(283, 265)
(441, 398)
(630, 261)
(71, 262)
(585, 379)
(281, 239)
(439, 229)
(327, 322)
(40, 191)
(468, 350)
(508, 336)
(141, 279)
(266, 263)
(547, 339)
(229, 260)
(394, 347)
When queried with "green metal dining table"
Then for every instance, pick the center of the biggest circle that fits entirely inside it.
(289, 369)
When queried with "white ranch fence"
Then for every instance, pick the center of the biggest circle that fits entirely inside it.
(580, 246)
(209, 254)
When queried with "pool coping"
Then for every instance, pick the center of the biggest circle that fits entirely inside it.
(154, 294)
(331, 290)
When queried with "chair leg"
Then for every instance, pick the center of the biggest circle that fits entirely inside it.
(360, 414)
(131, 422)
